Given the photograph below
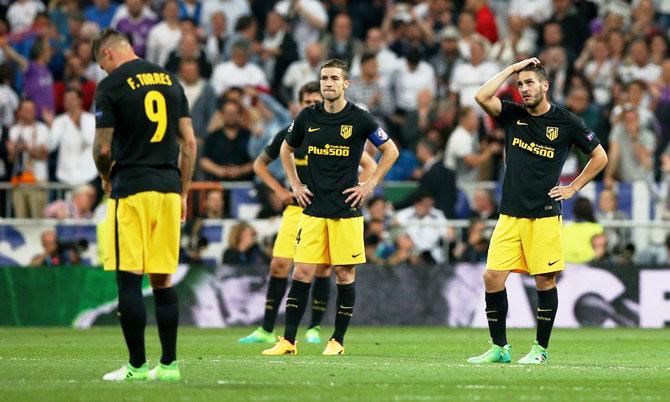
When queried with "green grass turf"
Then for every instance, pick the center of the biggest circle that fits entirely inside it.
(382, 364)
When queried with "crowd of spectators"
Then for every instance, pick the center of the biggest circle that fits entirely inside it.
(415, 65)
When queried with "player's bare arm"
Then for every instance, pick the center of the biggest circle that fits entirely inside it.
(187, 154)
(300, 191)
(485, 96)
(102, 154)
(362, 190)
(596, 163)
(261, 170)
(368, 166)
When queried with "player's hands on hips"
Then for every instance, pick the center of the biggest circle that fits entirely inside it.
(285, 196)
(302, 194)
(560, 193)
(524, 63)
(358, 193)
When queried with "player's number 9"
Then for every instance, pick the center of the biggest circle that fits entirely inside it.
(156, 110)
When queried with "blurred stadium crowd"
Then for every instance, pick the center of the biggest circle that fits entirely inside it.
(415, 65)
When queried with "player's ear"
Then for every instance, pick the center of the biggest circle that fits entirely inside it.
(346, 84)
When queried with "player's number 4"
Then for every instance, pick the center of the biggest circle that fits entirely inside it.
(156, 110)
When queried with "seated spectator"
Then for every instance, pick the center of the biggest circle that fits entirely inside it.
(435, 181)
(418, 122)
(225, 154)
(368, 90)
(425, 225)
(164, 36)
(404, 252)
(300, 72)
(278, 50)
(476, 246)
(376, 248)
(239, 71)
(484, 205)
(242, 246)
(74, 77)
(189, 48)
(468, 77)
(56, 253)
(608, 210)
(463, 153)
(631, 148)
(655, 254)
(72, 133)
(601, 250)
(377, 208)
(214, 205)
(79, 207)
(340, 44)
(217, 39)
(577, 235)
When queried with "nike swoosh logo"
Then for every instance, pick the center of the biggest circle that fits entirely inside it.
(311, 130)
(552, 263)
(355, 255)
(520, 123)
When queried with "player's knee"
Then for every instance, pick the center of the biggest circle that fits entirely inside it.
(493, 281)
(279, 267)
(545, 282)
(303, 273)
(345, 274)
(159, 281)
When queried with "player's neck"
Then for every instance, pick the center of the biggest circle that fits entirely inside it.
(540, 109)
(335, 106)
(125, 58)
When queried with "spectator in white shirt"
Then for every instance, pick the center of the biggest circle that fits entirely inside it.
(27, 150)
(301, 72)
(233, 9)
(467, 78)
(387, 61)
(309, 18)
(639, 67)
(9, 101)
(22, 13)
(413, 76)
(426, 226)
(72, 133)
(217, 40)
(238, 72)
(164, 36)
(463, 153)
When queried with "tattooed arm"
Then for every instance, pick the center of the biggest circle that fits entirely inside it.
(102, 154)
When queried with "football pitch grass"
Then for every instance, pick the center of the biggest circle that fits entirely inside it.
(381, 364)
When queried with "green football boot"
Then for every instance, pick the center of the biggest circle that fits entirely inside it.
(496, 354)
(165, 372)
(312, 335)
(537, 355)
(128, 373)
(259, 336)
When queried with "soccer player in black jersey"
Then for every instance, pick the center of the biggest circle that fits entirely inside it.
(330, 231)
(527, 237)
(145, 151)
(284, 247)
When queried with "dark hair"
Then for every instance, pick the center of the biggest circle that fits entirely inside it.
(37, 49)
(73, 89)
(367, 56)
(537, 69)
(244, 23)
(107, 36)
(583, 210)
(337, 63)
(431, 146)
(374, 199)
(309, 88)
(465, 110)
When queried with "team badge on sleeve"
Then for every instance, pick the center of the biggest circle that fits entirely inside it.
(290, 128)
(552, 133)
(378, 137)
(346, 130)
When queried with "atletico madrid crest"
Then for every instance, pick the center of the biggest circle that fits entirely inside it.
(552, 133)
(346, 130)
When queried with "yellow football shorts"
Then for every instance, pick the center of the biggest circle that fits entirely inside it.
(330, 241)
(532, 245)
(142, 233)
(285, 242)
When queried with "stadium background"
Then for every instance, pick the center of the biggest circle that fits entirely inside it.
(415, 66)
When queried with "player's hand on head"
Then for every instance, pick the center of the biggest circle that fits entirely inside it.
(302, 195)
(358, 194)
(524, 63)
(560, 193)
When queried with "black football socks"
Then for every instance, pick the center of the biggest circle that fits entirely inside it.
(296, 302)
(547, 304)
(133, 315)
(167, 319)
(496, 315)
(320, 296)
(346, 297)
(275, 294)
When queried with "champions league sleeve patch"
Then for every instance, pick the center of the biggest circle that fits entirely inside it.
(290, 128)
(378, 137)
(590, 135)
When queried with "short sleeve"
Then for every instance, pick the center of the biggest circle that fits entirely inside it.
(506, 112)
(273, 147)
(185, 110)
(295, 133)
(104, 107)
(582, 136)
